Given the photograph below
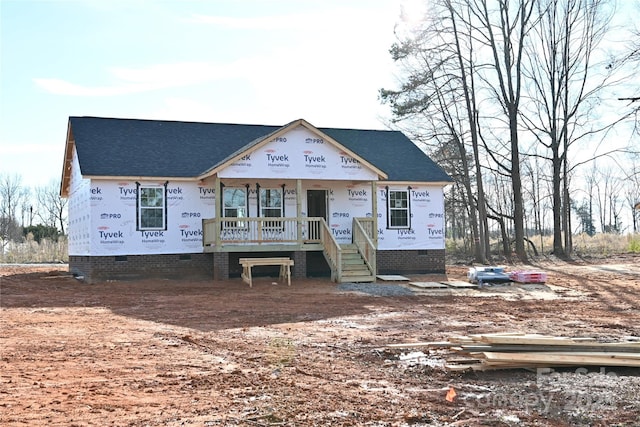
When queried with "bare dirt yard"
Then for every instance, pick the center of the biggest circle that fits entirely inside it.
(205, 353)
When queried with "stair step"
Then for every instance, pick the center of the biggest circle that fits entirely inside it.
(353, 273)
(355, 267)
(350, 252)
(356, 272)
(349, 246)
(357, 279)
(351, 255)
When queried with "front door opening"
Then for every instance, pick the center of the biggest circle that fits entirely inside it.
(317, 203)
(317, 206)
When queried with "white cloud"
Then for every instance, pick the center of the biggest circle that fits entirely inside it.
(257, 23)
(176, 74)
(185, 109)
(144, 79)
(313, 21)
(23, 148)
(63, 87)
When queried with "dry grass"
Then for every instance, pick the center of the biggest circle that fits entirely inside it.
(583, 245)
(30, 251)
(599, 245)
(606, 244)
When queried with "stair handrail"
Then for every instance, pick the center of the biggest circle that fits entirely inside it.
(365, 245)
(332, 251)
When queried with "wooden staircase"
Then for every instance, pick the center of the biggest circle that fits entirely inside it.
(354, 268)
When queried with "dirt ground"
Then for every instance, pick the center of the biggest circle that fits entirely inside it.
(205, 353)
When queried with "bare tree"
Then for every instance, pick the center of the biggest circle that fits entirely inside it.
(530, 65)
(442, 89)
(632, 193)
(565, 85)
(503, 26)
(11, 196)
(607, 195)
(633, 57)
(52, 208)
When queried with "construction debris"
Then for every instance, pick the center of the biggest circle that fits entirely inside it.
(392, 278)
(428, 285)
(488, 275)
(528, 276)
(482, 275)
(529, 351)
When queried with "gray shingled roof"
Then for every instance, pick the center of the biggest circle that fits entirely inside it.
(156, 148)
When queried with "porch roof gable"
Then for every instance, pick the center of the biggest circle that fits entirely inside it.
(261, 141)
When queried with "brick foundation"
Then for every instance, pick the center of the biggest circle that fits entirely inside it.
(222, 266)
(411, 261)
(131, 267)
(299, 264)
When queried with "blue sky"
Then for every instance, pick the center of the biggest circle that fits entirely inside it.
(249, 61)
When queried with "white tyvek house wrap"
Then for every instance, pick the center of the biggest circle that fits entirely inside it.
(103, 213)
(427, 219)
(299, 154)
(113, 219)
(79, 211)
(347, 201)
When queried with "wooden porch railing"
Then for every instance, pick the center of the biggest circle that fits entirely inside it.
(297, 232)
(363, 238)
(261, 231)
(332, 251)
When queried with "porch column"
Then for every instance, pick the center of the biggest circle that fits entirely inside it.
(218, 208)
(299, 210)
(374, 212)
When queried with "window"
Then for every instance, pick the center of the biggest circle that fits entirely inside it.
(235, 205)
(398, 209)
(271, 206)
(151, 208)
(271, 202)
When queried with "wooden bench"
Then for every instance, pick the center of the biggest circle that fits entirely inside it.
(284, 263)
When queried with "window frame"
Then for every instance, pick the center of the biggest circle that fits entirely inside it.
(230, 223)
(262, 198)
(141, 207)
(392, 207)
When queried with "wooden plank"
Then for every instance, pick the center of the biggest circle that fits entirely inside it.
(506, 348)
(617, 355)
(392, 277)
(557, 341)
(463, 367)
(563, 359)
(440, 344)
(284, 263)
(266, 261)
(473, 339)
(457, 284)
(462, 340)
(535, 340)
(503, 334)
(428, 285)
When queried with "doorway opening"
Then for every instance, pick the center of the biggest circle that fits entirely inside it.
(317, 203)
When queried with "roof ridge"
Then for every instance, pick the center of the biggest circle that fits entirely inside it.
(133, 119)
(170, 121)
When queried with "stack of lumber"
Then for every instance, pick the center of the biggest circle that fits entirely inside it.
(512, 351)
(515, 350)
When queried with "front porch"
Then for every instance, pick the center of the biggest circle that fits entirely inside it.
(355, 262)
